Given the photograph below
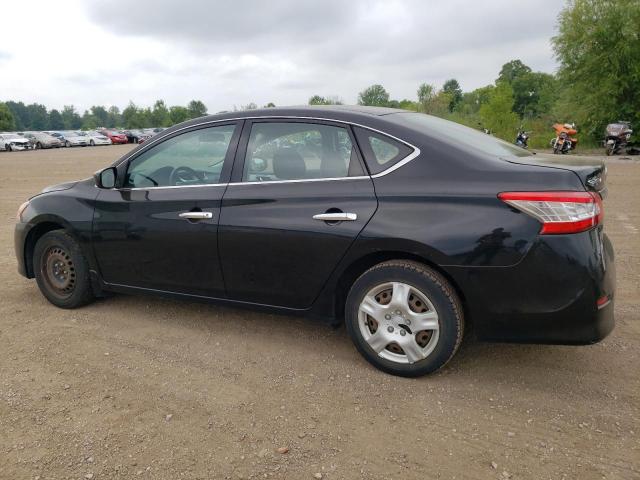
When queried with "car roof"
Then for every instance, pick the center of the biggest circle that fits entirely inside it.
(337, 112)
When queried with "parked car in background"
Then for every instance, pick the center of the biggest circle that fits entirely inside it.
(13, 142)
(136, 135)
(43, 140)
(402, 225)
(114, 136)
(97, 138)
(75, 139)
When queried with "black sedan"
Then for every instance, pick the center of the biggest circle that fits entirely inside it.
(402, 225)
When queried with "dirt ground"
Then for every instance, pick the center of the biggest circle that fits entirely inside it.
(151, 388)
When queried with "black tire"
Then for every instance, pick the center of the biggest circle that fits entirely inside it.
(58, 252)
(8, 148)
(38, 146)
(438, 291)
(92, 143)
(67, 144)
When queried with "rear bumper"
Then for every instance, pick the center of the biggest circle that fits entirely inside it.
(551, 296)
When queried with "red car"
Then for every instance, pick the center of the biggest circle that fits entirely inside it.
(114, 136)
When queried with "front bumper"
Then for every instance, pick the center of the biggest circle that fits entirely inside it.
(551, 296)
(19, 237)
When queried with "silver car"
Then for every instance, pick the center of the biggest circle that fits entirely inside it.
(43, 140)
(75, 139)
(11, 142)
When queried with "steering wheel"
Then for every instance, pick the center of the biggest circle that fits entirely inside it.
(184, 174)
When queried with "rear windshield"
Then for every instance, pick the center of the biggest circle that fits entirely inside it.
(456, 133)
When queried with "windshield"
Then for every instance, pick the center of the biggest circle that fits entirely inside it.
(455, 132)
(12, 136)
(80, 134)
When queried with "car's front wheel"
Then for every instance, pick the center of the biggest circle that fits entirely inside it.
(404, 318)
(61, 270)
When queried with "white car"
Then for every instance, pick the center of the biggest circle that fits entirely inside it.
(96, 138)
(12, 142)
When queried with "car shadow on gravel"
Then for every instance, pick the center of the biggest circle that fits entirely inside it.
(502, 363)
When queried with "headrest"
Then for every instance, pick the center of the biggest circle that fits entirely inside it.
(288, 164)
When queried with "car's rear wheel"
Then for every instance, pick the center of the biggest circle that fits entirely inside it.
(67, 144)
(61, 270)
(8, 148)
(92, 143)
(38, 146)
(404, 318)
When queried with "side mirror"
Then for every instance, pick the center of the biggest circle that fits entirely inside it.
(106, 178)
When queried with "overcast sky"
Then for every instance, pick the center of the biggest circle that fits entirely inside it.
(232, 52)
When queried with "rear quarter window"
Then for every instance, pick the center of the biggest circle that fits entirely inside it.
(380, 151)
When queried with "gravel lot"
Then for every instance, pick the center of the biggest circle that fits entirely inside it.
(152, 388)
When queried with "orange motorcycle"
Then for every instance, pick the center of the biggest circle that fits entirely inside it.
(565, 139)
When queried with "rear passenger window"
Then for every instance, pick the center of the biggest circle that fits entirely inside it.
(380, 152)
(299, 151)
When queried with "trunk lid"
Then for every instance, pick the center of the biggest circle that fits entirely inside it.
(591, 171)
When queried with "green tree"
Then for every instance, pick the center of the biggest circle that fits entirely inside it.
(114, 119)
(598, 49)
(426, 93)
(89, 121)
(452, 87)
(100, 116)
(196, 109)
(534, 93)
(131, 117)
(270, 105)
(178, 114)
(319, 100)
(55, 120)
(7, 121)
(497, 114)
(512, 70)
(38, 117)
(375, 95)
(70, 118)
(160, 114)
(20, 115)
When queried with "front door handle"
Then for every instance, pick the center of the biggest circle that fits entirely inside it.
(196, 215)
(336, 217)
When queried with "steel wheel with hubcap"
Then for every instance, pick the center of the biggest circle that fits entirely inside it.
(399, 322)
(404, 318)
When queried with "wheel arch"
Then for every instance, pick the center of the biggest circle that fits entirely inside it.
(35, 233)
(360, 265)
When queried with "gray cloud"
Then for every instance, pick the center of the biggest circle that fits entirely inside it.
(346, 45)
(232, 52)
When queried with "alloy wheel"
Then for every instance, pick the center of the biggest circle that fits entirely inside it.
(399, 322)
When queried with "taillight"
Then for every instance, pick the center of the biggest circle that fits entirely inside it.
(559, 212)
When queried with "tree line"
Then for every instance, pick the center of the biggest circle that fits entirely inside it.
(20, 117)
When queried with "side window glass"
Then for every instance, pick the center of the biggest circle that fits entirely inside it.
(380, 152)
(192, 158)
(299, 151)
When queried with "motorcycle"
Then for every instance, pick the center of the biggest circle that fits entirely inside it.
(522, 139)
(617, 137)
(565, 139)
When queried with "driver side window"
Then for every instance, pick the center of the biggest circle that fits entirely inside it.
(192, 158)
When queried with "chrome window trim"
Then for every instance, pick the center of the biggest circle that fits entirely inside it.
(150, 143)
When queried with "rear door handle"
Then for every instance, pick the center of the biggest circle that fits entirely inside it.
(336, 217)
(196, 215)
